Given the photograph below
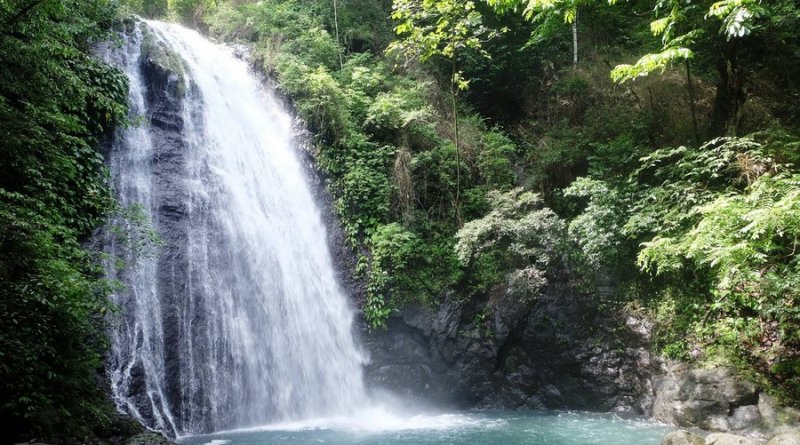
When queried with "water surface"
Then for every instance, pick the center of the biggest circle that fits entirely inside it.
(483, 428)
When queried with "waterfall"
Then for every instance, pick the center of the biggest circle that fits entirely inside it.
(237, 319)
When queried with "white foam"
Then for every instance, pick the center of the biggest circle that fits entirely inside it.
(377, 420)
(218, 442)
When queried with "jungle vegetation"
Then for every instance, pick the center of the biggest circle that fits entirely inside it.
(467, 145)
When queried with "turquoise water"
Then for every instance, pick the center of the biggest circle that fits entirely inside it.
(480, 428)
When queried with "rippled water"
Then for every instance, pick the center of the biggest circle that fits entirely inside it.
(481, 428)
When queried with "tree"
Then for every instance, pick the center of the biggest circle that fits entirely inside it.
(431, 28)
(520, 234)
(547, 11)
(681, 25)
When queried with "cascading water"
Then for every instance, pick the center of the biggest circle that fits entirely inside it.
(237, 319)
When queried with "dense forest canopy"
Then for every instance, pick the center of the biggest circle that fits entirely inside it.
(468, 145)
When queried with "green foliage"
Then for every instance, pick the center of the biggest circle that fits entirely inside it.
(746, 242)
(495, 160)
(598, 230)
(146, 8)
(393, 249)
(364, 198)
(727, 215)
(680, 24)
(393, 111)
(717, 231)
(650, 63)
(56, 100)
(319, 48)
(437, 28)
(407, 160)
(319, 97)
(543, 10)
(520, 233)
(53, 341)
(191, 12)
(680, 180)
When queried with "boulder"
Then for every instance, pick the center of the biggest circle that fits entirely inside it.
(731, 439)
(713, 399)
(120, 428)
(787, 438)
(149, 439)
(767, 408)
(682, 438)
(744, 417)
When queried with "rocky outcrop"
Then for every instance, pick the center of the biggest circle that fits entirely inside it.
(164, 92)
(731, 439)
(786, 438)
(682, 438)
(119, 429)
(791, 437)
(715, 398)
(149, 439)
(555, 350)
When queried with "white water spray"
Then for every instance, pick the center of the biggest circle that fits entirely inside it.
(238, 321)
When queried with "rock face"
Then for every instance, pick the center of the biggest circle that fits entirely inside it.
(712, 399)
(731, 439)
(552, 351)
(149, 439)
(119, 430)
(791, 437)
(164, 95)
(787, 438)
(682, 438)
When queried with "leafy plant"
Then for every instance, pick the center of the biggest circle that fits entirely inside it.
(525, 234)
(56, 102)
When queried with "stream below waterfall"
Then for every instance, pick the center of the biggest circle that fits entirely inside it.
(478, 428)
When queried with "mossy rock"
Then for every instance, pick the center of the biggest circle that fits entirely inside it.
(157, 53)
(149, 439)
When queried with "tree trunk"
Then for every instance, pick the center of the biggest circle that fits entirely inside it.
(575, 40)
(730, 97)
(336, 26)
(690, 88)
(453, 96)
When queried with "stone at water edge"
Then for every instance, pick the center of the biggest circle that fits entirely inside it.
(787, 438)
(682, 438)
(713, 399)
(149, 439)
(731, 439)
